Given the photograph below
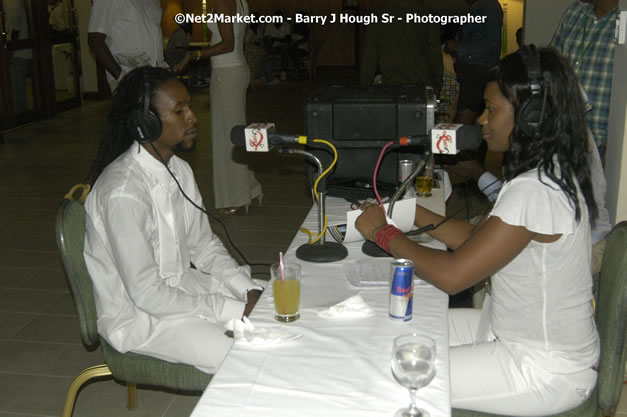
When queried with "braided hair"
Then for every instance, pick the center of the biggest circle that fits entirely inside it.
(127, 97)
(566, 139)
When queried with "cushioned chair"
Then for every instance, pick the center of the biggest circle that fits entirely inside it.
(128, 367)
(611, 314)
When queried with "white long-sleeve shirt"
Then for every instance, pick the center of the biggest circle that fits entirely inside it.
(141, 235)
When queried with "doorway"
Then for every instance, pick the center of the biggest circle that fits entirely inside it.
(39, 60)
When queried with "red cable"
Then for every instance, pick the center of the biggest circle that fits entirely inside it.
(376, 171)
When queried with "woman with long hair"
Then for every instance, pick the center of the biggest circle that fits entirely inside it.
(533, 348)
(234, 182)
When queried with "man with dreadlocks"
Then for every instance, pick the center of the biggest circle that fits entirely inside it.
(163, 282)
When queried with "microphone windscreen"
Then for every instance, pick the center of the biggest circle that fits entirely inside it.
(238, 135)
(469, 137)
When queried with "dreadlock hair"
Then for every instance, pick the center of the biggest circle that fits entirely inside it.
(127, 97)
(566, 138)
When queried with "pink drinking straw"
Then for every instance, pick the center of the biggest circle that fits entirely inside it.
(282, 265)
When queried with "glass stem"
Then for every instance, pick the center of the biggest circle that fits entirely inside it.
(413, 410)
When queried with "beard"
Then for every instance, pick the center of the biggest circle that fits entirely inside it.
(181, 147)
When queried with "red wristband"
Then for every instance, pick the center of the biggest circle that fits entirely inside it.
(385, 235)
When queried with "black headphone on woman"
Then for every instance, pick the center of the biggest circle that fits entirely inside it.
(143, 124)
(534, 113)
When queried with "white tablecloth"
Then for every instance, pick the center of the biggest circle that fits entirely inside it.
(339, 367)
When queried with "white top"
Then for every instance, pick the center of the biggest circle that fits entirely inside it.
(339, 367)
(58, 18)
(141, 235)
(133, 31)
(490, 186)
(277, 34)
(236, 57)
(542, 300)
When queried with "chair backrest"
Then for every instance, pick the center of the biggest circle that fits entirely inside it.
(611, 318)
(70, 228)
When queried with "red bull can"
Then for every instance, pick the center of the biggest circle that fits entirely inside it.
(401, 290)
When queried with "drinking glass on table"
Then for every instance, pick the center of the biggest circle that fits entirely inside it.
(413, 366)
(286, 291)
(424, 182)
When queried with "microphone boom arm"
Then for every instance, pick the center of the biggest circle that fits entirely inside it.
(419, 167)
(321, 194)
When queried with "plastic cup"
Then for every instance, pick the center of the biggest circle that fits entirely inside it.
(424, 186)
(286, 292)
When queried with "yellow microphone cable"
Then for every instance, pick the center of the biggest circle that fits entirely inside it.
(315, 188)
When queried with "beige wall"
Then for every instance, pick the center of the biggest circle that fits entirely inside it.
(513, 19)
(616, 157)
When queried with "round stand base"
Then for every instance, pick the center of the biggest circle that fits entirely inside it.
(327, 252)
(371, 249)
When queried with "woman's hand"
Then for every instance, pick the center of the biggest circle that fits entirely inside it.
(371, 220)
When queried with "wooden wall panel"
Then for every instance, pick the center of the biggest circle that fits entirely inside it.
(170, 9)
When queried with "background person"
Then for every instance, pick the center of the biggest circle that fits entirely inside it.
(403, 53)
(478, 49)
(585, 37)
(126, 34)
(22, 59)
(532, 349)
(277, 38)
(234, 183)
(58, 19)
(163, 282)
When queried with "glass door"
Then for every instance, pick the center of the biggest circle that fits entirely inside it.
(19, 87)
(64, 52)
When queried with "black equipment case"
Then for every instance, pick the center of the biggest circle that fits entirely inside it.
(359, 121)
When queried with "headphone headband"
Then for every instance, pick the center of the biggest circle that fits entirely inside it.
(533, 113)
(143, 124)
(531, 59)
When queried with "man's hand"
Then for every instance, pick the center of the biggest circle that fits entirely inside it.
(253, 296)
(96, 42)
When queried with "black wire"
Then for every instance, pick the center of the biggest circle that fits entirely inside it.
(226, 230)
(431, 227)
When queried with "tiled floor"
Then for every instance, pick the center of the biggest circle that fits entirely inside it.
(40, 347)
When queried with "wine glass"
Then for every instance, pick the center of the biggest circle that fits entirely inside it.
(413, 366)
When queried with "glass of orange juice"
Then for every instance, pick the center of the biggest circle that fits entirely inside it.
(286, 291)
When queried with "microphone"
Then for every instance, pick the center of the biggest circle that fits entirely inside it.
(446, 138)
(260, 137)
(450, 138)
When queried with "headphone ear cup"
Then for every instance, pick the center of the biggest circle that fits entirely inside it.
(529, 118)
(144, 126)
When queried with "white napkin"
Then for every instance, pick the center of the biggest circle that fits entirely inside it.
(244, 330)
(353, 307)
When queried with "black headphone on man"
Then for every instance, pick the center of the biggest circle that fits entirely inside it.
(143, 124)
(534, 113)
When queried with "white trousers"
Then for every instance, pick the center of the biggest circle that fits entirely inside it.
(488, 377)
(192, 341)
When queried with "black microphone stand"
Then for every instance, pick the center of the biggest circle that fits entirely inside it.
(372, 249)
(321, 251)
